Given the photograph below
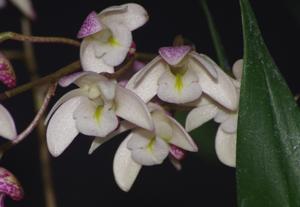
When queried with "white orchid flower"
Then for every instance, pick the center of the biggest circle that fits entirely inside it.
(180, 75)
(107, 36)
(92, 109)
(207, 109)
(7, 124)
(145, 148)
(25, 7)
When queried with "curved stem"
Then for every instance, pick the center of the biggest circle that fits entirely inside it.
(37, 39)
(49, 78)
(38, 116)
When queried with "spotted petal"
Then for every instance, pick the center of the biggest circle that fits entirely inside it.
(125, 169)
(131, 108)
(91, 25)
(179, 88)
(95, 120)
(62, 129)
(225, 146)
(174, 55)
(130, 15)
(7, 124)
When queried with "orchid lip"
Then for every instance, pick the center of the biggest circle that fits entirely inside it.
(174, 55)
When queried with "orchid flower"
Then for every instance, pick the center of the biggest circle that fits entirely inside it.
(7, 124)
(107, 36)
(179, 75)
(145, 148)
(9, 185)
(92, 109)
(207, 109)
(25, 7)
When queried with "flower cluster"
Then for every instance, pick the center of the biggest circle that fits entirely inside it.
(103, 107)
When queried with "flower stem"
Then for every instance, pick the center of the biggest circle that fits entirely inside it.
(222, 59)
(37, 39)
(38, 116)
(49, 78)
(38, 98)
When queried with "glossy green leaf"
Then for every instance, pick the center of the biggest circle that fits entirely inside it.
(268, 145)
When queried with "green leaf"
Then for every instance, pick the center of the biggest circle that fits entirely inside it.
(222, 59)
(268, 145)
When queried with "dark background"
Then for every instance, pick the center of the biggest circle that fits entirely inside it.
(87, 180)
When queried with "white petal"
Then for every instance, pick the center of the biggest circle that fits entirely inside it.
(230, 124)
(88, 59)
(199, 116)
(61, 129)
(181, 138)
(221, 116)
(131, 15)
(7, 124)
(124, 167)
(63, 99)
(69, 79)
(98, 141)
(113, 45)
(131, 108)
(108, 88)
(237, 69)
(225, 145)
(147, 149)
(162, 126)
(221, 90)
(26, 7)
(205, 63)
(94, 120)
(179, 89)
(145, 82)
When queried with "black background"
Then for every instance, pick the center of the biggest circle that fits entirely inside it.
(87, 180)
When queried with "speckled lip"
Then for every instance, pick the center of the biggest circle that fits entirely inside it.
(9, 185)
(90, 25)
(173, 55)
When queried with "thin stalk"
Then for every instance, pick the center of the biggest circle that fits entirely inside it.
(38, 98)
(222, 59)
(37, 39)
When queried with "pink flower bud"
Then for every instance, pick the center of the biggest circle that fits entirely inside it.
(177, 153)
(9, 185)
(7, 74)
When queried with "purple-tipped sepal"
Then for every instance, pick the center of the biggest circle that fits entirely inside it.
(91, 25)
(174, 55)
